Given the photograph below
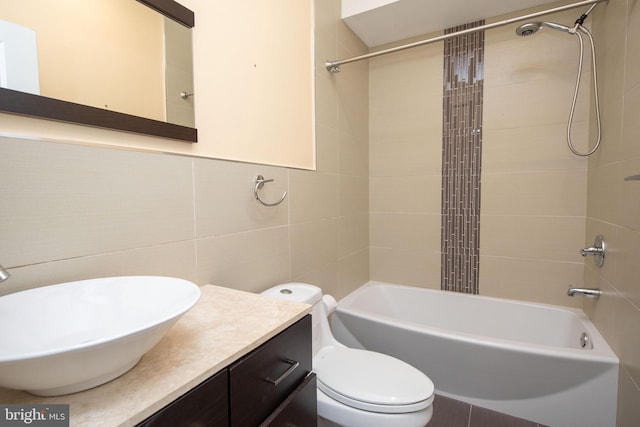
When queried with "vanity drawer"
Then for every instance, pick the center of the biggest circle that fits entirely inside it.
(262, 380)
(299, 409)
(204, 406)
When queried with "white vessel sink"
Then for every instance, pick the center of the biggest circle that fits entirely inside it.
(65, 338)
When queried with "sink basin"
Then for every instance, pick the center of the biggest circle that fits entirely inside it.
(65, 338)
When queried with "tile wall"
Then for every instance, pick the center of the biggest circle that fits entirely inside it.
(540, 203)
(463, 79)
(405, 154)
(533, 201)
(613, 207)
(533, 211)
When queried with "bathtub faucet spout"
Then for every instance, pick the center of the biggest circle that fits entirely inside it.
(584, 292)
(4, 274)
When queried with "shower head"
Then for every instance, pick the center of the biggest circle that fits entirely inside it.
(528, 29)
(532, 27)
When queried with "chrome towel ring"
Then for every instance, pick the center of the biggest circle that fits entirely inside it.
(260, 181)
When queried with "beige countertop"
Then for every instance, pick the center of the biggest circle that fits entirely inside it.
(224, 325)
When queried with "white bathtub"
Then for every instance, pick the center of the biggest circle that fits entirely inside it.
(519, 358)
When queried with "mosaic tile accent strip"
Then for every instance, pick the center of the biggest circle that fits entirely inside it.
(461, 159)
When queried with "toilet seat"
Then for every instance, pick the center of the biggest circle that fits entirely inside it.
(371, 381)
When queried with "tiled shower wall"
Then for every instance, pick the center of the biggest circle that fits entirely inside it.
(533, 200)
(613, 209)
(72, 212)
(462, 159)
(540, 204)
(405, 155)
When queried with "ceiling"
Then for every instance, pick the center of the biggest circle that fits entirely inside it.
(378, 22)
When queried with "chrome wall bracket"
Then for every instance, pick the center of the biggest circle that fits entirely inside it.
(597, 250)
(260, 181)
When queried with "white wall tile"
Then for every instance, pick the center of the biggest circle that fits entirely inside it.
(64, 201)
(225, 202)
(171, 260)
(250, 261)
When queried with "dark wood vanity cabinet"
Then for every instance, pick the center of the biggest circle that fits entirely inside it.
(205, 405)
(271, 386)
(299, 409)
(262, 379)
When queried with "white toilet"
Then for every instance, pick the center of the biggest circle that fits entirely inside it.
(359, 388)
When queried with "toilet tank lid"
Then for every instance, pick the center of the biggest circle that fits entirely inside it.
(298, 292)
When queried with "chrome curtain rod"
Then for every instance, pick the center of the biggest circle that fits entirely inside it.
(334, 66)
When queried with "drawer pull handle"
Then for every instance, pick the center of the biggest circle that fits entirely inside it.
(286, 373)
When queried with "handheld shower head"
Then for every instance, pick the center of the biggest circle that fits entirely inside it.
(558, 27)
(532, 27)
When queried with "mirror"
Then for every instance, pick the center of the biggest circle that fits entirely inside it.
(118, 64)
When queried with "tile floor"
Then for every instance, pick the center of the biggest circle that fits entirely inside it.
(452, 413)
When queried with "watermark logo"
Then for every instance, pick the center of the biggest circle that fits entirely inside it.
(34, 415)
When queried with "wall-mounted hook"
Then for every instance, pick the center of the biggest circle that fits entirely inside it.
(260, 181)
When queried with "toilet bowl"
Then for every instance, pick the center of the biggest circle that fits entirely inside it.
(359, 388)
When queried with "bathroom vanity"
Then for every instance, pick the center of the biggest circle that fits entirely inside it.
(235, 359)
(271, 386)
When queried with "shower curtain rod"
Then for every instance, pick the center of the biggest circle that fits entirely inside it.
(334, 66)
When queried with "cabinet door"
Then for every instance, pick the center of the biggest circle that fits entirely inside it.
(300, 408)
(207, 405)
(259, 382)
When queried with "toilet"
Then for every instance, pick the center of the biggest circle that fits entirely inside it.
(359, 388)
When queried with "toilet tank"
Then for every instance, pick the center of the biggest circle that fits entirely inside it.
(312, 295)
(298, 292)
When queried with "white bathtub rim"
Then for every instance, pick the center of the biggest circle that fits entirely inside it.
(600, 353)
(373, 283)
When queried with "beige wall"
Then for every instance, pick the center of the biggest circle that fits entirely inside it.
(254, 80)
(533, 189)
(405, 166)
(254, 88)
(71, 211)
(613, 208)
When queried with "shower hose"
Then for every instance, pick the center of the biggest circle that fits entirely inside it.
(579, 28)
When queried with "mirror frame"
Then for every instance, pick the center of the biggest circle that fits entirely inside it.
(22, 103)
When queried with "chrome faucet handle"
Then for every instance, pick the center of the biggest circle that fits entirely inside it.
(591, 251)
(4, 274)
(597, 250)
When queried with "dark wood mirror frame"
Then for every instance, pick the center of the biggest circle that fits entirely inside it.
(27, 104)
